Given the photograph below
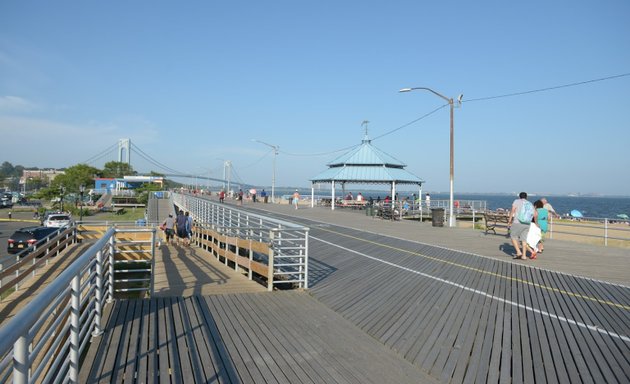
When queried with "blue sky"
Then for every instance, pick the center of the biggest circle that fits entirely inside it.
(191, 83)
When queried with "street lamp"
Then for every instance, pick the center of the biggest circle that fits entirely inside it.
(273, 177)
(451, 219)
(62, 190)
(81, 191)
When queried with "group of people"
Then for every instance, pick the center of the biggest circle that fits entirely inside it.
(525, 221)
(180, 226)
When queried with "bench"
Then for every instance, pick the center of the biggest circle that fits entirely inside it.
(387, 213)
(354, 204)
(494, 220)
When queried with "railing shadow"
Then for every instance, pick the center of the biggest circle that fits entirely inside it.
(318, 271)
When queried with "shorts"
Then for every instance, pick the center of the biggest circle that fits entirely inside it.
(169, 233)
(519, 231)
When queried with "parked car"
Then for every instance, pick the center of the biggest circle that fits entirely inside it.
(26, 237)
(58, 220)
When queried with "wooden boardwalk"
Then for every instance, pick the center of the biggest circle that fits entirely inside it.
(187, 271)
(281, 337)
(380, 309)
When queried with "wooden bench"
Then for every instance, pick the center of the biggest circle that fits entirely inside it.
(494, 220)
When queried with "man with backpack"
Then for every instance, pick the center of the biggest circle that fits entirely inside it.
(521, 217)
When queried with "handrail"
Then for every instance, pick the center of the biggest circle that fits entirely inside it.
(288, 241)
(62, 317)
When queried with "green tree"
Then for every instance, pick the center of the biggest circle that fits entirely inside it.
(80, 174)
(117, 169)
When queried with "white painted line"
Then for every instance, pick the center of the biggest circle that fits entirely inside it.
(478, 292)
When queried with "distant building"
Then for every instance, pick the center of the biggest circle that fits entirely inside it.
(47, 175)
(116, 185)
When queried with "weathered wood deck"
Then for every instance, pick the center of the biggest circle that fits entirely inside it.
(281, 337)
(380, 309)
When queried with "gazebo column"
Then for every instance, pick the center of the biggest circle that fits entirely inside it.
(393, 194)
(420, 201)
(312, 195)
(332, 194)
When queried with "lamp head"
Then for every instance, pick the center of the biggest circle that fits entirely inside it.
(405, 90)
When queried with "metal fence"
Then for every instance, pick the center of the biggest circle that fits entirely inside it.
(288, 242)
(44, 341)
(16, 269)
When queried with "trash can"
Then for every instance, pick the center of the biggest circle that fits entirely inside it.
(437, 217)
(266, 199)
(368, 210)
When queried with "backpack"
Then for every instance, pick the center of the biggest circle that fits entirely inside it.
(525, 213)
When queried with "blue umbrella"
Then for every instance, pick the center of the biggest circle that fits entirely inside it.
(576, 213)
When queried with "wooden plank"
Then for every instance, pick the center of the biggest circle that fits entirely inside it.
(238, 354)
(226, 372)
(259, 247)
(189, 356)
(283, 348)
(124, 359)
(204, 357)
(533, 327)
(93, 361)
(147, 349)
(184, 368)
(596, 342)
(135, 332)
(117, 337)
(570, 350)
(251, 337)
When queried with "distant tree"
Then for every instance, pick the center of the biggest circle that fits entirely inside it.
(117, 169)
(7, 170)
(75, 176)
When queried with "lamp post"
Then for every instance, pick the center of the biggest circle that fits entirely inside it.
(81, 191)
(451, 218)
(273, 177)
(62, 190)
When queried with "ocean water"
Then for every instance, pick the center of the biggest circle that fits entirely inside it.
(589, 206)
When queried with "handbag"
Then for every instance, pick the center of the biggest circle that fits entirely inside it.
(533, 235)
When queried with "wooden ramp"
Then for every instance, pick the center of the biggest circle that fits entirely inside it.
(187, 271)
(271, 337)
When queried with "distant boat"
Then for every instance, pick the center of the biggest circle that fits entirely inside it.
(576, 213)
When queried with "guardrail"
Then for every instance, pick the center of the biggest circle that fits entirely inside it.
(14, 269)
(286, 261)
(603, 230)
(44, 341)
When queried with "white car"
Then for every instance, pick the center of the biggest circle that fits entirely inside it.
(58, 220)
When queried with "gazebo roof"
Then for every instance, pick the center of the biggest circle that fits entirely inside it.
(367, 164)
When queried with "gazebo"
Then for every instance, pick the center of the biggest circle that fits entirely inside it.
(365, 164)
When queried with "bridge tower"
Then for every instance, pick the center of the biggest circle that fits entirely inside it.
(124, 152)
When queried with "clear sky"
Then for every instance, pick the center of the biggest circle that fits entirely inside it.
(192, 83)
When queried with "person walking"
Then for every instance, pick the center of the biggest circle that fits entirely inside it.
(189, 225)
(239, 197)
(519, 220)
(296, 198)
(169, 228)
(221, 196)
(180, 222)
(542, 219)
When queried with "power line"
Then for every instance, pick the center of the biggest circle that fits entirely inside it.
(411, 122)
(547, 89)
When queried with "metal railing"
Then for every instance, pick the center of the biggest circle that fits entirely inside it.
(600, 229)
(15, 269)
(44, 341)
(288, 242)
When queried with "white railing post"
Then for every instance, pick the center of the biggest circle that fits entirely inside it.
(112, 251)
(272, 237)
(98, 330)
(20, 361)
(606, 232)
(75, 329)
